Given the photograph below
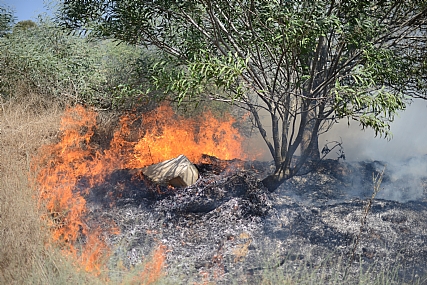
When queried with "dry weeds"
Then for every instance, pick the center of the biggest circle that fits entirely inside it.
(27, 253)
(22, 130)
(26, 256)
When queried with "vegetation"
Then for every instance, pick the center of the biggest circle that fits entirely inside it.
(298, 66)
(43, 69)
(6, 20)
(307, 63)
(26, 254)
(41, 58)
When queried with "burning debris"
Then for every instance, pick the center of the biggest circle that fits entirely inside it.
(205, 210)
(69, 169)
(227, 224)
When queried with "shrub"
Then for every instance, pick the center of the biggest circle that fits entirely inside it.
(44, 60)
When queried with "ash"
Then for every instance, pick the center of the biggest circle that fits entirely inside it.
(227, 228)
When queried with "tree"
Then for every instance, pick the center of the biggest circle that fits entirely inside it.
(6, 20)
(24, 25)
(307, 63)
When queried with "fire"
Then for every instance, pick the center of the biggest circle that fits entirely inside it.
(153, 269)
(139, 141)
(60, 167)
(169, 135)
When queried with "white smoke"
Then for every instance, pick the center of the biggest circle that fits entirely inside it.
(405, 154)
(409, 138)
(405, 180)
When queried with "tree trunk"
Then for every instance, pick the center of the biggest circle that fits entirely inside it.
(272, 182)
(309, 146)
(310, 140)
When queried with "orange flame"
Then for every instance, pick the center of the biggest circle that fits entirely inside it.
(169, 135)
(139, 141)
(153, 269)
(60, 167)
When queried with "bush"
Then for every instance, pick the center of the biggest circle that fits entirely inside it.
(6, 20)
(44, 60)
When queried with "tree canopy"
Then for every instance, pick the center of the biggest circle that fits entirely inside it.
(307, 63)
(6, 20)
(24, 25)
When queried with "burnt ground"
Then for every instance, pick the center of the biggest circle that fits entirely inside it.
(229, 229)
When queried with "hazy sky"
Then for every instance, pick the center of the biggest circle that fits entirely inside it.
(26, 9)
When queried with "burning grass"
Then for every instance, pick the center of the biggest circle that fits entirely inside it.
(32, 248)
(159, 135)
(26, 254)
(64, 246)
(153, 269)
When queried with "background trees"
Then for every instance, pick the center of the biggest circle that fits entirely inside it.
(6, 20)
(41, 58)
(307, 63)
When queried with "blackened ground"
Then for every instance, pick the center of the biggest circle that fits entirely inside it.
(229, 228)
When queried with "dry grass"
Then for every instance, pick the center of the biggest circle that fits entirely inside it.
(26, 256)
(27, 253)
(23, 129)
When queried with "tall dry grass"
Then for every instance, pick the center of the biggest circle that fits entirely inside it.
(26, 255)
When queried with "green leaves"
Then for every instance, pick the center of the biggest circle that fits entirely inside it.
(46, 61)
(364, 101)
(200, 74)
(6, 20)
(303, 61)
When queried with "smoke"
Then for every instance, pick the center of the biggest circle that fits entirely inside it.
(404, 155)
(404, 181)
(409, 138)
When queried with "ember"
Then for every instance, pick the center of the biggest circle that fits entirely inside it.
(68, 169)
